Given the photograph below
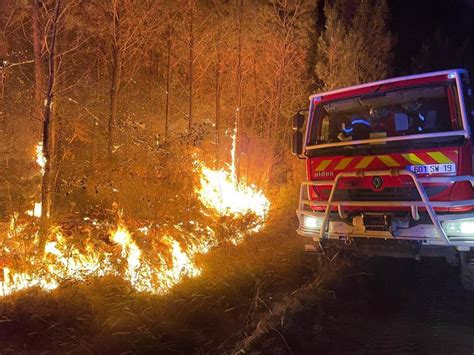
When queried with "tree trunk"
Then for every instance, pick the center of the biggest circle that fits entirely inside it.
(279, 89)
(255, 98)
(218, 108)
(38, 38)
(116, 75)
(238, 112)
(192, 3)
(168, 79)
(4, 5)
(48, 143)
(4, 127)
(218, 92)
(7, 138)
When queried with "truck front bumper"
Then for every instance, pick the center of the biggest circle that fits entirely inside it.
(433, 229)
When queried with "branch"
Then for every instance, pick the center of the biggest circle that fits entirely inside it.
(7, 65)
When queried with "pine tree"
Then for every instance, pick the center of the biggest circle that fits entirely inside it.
(356, 44)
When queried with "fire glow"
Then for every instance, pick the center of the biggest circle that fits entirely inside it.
(62, 259)
(221, 190)
(150, 263)
(40, 158)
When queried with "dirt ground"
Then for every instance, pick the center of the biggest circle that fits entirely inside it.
(385, 306)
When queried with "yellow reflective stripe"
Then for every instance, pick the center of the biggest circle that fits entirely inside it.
(440, 157)
(364, 163)
(388, 160)
(343, 164)
(413, 158)
(323, 165)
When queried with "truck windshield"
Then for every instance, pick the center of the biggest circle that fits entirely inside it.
(401, 112)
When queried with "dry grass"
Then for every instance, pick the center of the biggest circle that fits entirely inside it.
(239, 287)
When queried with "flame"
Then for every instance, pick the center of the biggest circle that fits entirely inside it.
(154, 269)
(150, 258)
(14, 228)
(59, 261)
(164, 275)
(130, 251)
(36, 211)
(41, 161)
(40, 158)
(233, 150)
(220, 190)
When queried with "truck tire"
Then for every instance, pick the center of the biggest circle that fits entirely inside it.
(467, 277)
(467, 271)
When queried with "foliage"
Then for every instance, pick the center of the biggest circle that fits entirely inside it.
(138, 162)
(441, 52)
(355, 45)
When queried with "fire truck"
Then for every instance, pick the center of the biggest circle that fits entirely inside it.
(390, 168)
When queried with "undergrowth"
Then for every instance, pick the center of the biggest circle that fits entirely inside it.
(209, 314)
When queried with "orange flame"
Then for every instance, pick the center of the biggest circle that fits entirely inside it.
(40, 158)
(221, 191)
(154, 269)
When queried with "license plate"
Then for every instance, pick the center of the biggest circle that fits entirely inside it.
(433, 169)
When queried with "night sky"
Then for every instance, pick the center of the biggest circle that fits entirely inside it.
(415, 21)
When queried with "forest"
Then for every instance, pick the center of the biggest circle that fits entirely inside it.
(139, 135)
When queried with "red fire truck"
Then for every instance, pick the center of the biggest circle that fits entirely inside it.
(390, 168)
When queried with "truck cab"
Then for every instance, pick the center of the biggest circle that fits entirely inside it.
(390, 168)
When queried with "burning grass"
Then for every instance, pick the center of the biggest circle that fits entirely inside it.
(237, 286)
(198, 297)
(111, 284)
(151, 257)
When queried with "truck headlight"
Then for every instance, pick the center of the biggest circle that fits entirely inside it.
(461, 228)
(312, 223)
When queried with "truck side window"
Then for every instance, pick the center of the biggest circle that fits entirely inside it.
(401, 121)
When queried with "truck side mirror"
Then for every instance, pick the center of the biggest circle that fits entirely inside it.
(297, 143)
(298, 121)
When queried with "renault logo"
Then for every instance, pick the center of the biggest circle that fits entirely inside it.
(377, 182)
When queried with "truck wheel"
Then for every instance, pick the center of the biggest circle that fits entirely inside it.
(452, 259)
(467, 271)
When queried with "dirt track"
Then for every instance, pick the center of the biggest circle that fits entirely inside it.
(390, 306)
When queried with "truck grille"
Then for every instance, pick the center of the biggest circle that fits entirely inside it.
(387, 194)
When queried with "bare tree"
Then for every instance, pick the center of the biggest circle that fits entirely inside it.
(169, 51)
(116, 70)
(48, 143)
(191, 10)
(38, 45)
(238, 111)
(218, 93)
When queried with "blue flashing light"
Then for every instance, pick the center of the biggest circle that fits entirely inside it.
(451, 75)
(348, 130)
(361, 122)
(421, 117)
(420, 129)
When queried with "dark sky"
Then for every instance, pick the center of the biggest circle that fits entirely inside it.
(415, 21)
